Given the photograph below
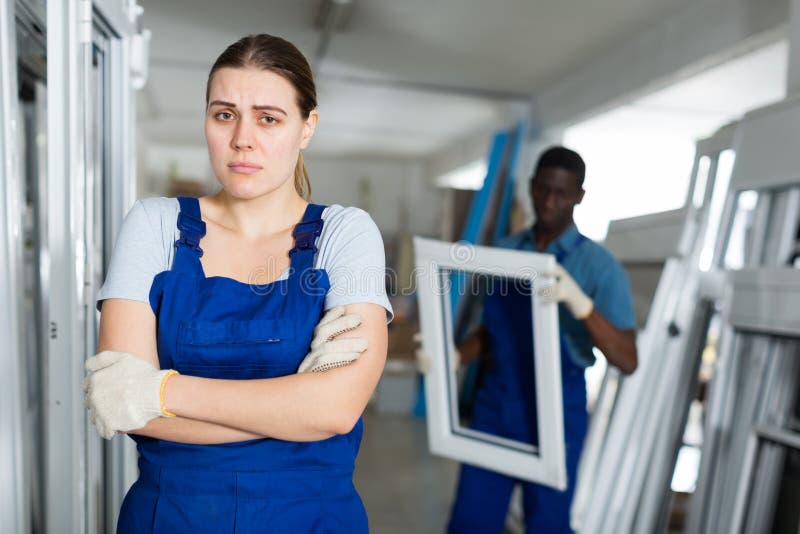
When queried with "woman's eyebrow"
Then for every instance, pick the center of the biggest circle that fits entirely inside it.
(269, 108)
(257, 108)
(222, 103)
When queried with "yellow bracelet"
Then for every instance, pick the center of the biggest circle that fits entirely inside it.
(164, 410)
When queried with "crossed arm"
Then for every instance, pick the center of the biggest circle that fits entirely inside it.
(300, 407)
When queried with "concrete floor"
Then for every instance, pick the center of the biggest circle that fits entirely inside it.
(404, 489)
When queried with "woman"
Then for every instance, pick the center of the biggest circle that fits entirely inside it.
(203, 368)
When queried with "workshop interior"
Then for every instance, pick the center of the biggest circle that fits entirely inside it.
(441, 121)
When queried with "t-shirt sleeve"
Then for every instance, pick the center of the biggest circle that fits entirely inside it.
(136, 259)
(613, 297)
(355, 261)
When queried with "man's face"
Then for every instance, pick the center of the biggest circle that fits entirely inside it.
(555, 192)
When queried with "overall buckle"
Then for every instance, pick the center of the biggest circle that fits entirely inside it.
(305, 234)
(190, 244)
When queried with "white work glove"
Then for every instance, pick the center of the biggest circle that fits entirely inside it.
(123, 392)
(566, 290)
(327, 352)
(424, 360)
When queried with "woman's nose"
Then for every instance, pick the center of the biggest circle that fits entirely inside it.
(242, 137)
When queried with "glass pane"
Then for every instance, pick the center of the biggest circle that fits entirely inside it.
(491, 371)
(723, 175)
(701, 182)
(741, 229)
(31, 141)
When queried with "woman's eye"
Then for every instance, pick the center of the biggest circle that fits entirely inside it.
(268, 120)
(224, 115)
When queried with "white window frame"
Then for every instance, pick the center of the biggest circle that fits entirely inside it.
(546, 464)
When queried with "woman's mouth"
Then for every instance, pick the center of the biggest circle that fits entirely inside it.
(243, 167)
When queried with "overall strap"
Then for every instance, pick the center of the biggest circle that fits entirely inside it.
(192, 228)
(305, 236)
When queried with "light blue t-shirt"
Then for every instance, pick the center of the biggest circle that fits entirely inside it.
(597, 273)
(350, 251)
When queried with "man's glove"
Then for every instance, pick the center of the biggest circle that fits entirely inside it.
(123, 392)
(566, 290)
(327, 352)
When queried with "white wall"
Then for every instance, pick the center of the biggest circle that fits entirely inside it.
(400, 197)
(458, 154)
(190, 161)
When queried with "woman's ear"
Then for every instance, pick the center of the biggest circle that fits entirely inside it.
(309, 126)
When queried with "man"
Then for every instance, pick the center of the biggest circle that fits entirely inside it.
(596, 310)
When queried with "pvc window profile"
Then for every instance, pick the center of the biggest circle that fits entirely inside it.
(545, 464)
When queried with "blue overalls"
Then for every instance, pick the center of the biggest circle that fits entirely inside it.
(505, 405)
(218, 327)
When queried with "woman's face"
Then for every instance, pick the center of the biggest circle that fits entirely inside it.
(255, 131)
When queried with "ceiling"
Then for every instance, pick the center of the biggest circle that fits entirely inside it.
(403, 78)
(695, 107)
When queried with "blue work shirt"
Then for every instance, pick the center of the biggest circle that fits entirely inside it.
(597, 273)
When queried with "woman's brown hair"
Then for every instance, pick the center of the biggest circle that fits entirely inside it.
(277, 55)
